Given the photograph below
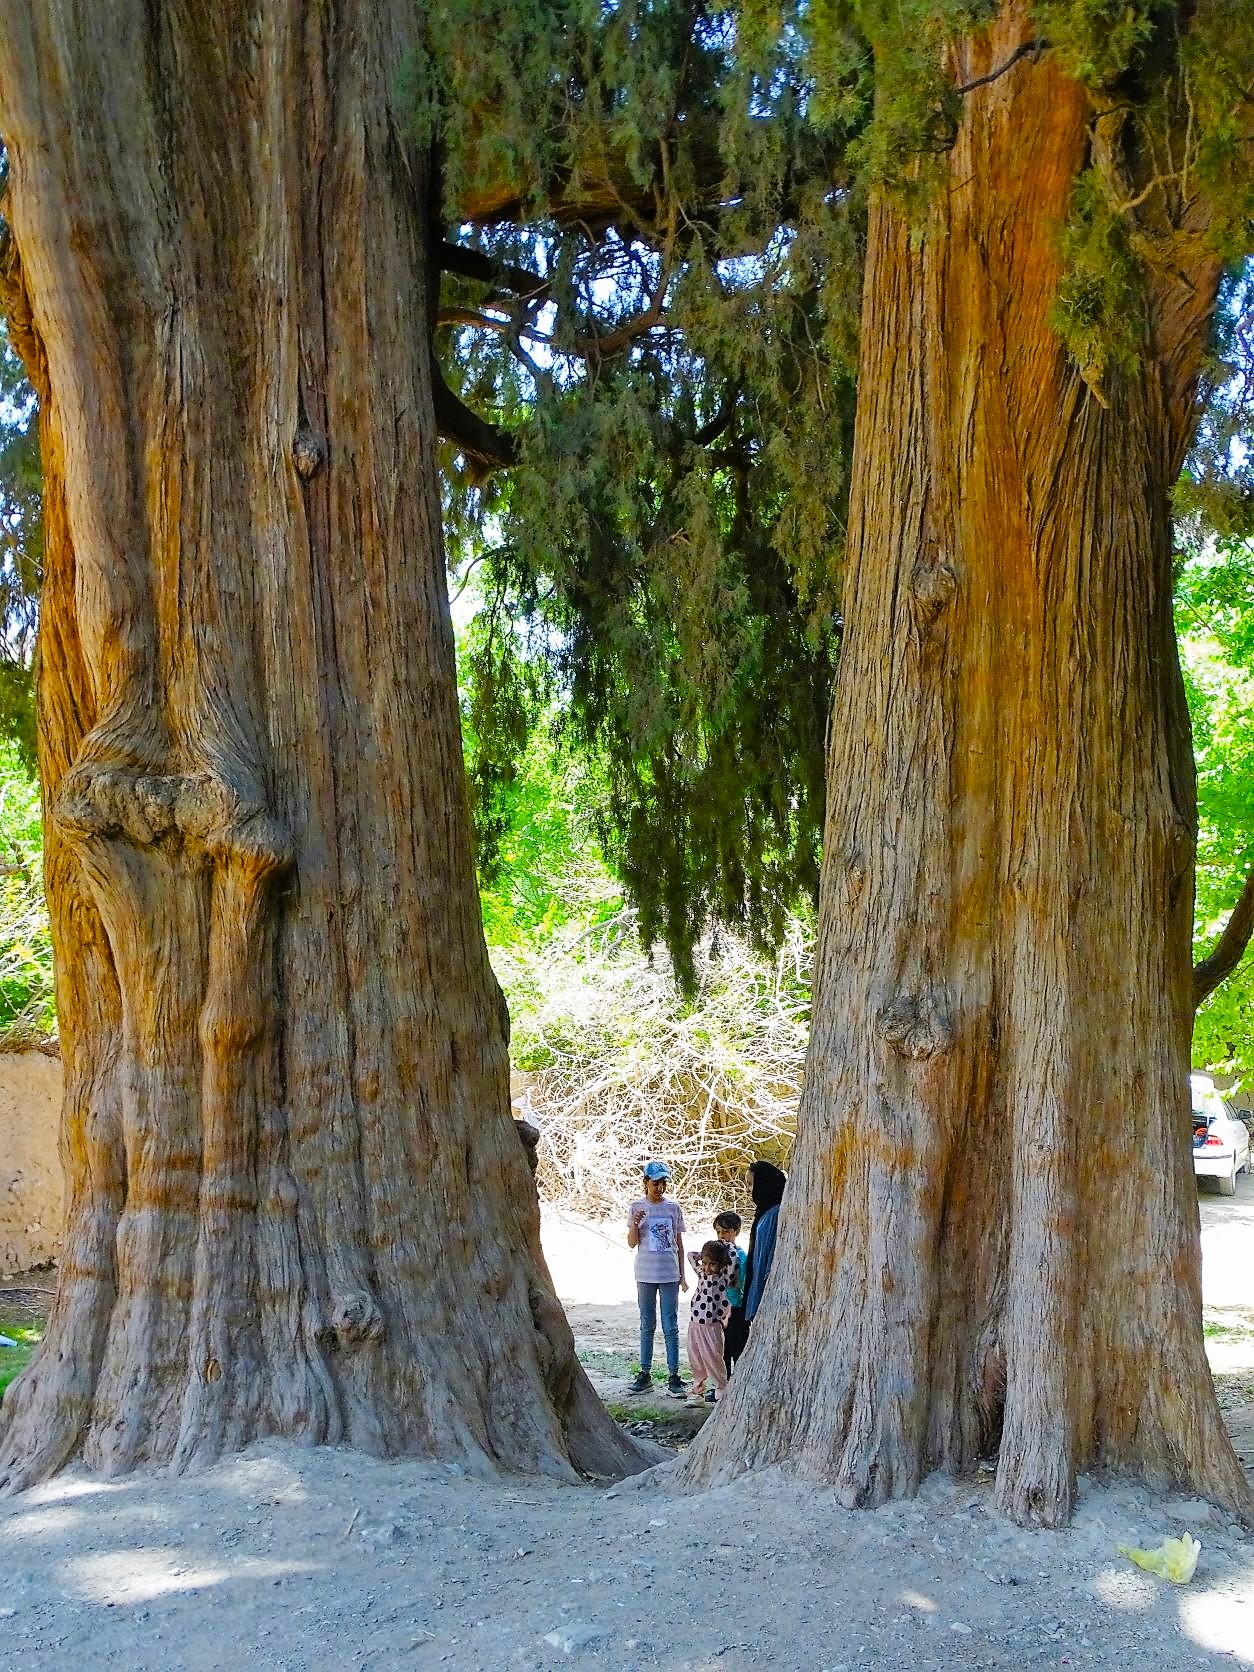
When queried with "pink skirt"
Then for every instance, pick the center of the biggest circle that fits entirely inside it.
(705, 1353)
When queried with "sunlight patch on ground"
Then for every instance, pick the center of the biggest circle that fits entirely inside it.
(141, 1575)
(67, 1487)
(49, 1523)
(1224, 1624)
(1126, 1589)
(914, 1599)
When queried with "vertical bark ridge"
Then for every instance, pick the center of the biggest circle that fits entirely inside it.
(298, 1204)
(48, 1407)
(990, 1238)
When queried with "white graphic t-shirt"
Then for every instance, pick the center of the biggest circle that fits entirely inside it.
(657, 1254)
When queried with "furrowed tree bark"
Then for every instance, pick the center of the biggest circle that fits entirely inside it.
(297, 1204)
(990, 1241)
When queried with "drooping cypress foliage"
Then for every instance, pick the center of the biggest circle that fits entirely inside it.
(656, 241)
(665, 328)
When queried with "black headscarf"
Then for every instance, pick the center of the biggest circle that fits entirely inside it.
(767, 1189)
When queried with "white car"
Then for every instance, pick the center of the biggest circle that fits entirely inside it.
(1221, 1143)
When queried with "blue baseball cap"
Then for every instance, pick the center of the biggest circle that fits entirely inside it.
(656, 1170)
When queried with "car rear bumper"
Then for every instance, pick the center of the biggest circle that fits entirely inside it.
(1216, 1165)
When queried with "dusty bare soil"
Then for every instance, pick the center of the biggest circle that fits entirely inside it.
(302, 1560)
(296, 1560)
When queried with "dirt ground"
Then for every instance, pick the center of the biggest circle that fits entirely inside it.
(300, 1559)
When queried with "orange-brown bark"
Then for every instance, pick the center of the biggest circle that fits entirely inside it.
(297, 1204)
(990, 1244)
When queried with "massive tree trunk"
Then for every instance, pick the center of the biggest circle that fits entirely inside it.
(990, 1243)
(297, 1204)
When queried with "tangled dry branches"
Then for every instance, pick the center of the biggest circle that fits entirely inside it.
(616, 1066)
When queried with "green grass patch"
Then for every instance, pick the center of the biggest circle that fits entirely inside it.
(614, 1364)
(603, 1363)
(674, 1414)
(1227, 1332)
(15, 1359)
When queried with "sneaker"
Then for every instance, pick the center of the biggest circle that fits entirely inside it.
(675, 1388)
(642, 1383)
(696, 1400)
(709, 1396)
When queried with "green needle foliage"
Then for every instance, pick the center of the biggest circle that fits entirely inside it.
(686, 185)
(679, 387)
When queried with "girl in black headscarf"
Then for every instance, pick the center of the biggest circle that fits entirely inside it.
(766, 1185)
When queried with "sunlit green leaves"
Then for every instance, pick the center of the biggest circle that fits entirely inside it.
(1215, 618)
(26, 999)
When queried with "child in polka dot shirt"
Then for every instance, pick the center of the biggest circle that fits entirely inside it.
(715, 1266)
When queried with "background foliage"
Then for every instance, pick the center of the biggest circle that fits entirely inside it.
(21, 549)
(1215, 616)
(27, 1013)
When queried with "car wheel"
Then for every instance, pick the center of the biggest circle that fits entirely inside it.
(1228, 1186)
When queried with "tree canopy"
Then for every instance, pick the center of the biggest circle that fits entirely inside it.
(664, 336)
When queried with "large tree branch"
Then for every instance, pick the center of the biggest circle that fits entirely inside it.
(522, 282)
(485, 447)
(1228, 949)
(1035, 47)
(16, 312)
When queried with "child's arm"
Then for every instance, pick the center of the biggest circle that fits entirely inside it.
(683, 1275)
(634, 1222)
(694, 1259)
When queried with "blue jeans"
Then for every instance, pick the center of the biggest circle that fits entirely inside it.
(649, 1294)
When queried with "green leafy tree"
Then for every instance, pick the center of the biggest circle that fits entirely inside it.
(26, 997)
(21, 550)
(1215, 609)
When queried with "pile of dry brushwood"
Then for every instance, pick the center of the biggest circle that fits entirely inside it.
(616, 1066)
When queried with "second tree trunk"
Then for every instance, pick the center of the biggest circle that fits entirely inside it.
(990, 1240)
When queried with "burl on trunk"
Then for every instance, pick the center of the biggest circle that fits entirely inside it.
(991, 1241)
(297, 1204)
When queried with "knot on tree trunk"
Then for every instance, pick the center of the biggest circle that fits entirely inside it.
(150, 808)
(855, 871)
(917, 1025)
(1181, 847)
(933, 583)
(356, 1319)
(309, 452)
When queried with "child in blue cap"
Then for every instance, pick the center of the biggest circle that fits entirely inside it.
(655, 1229)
